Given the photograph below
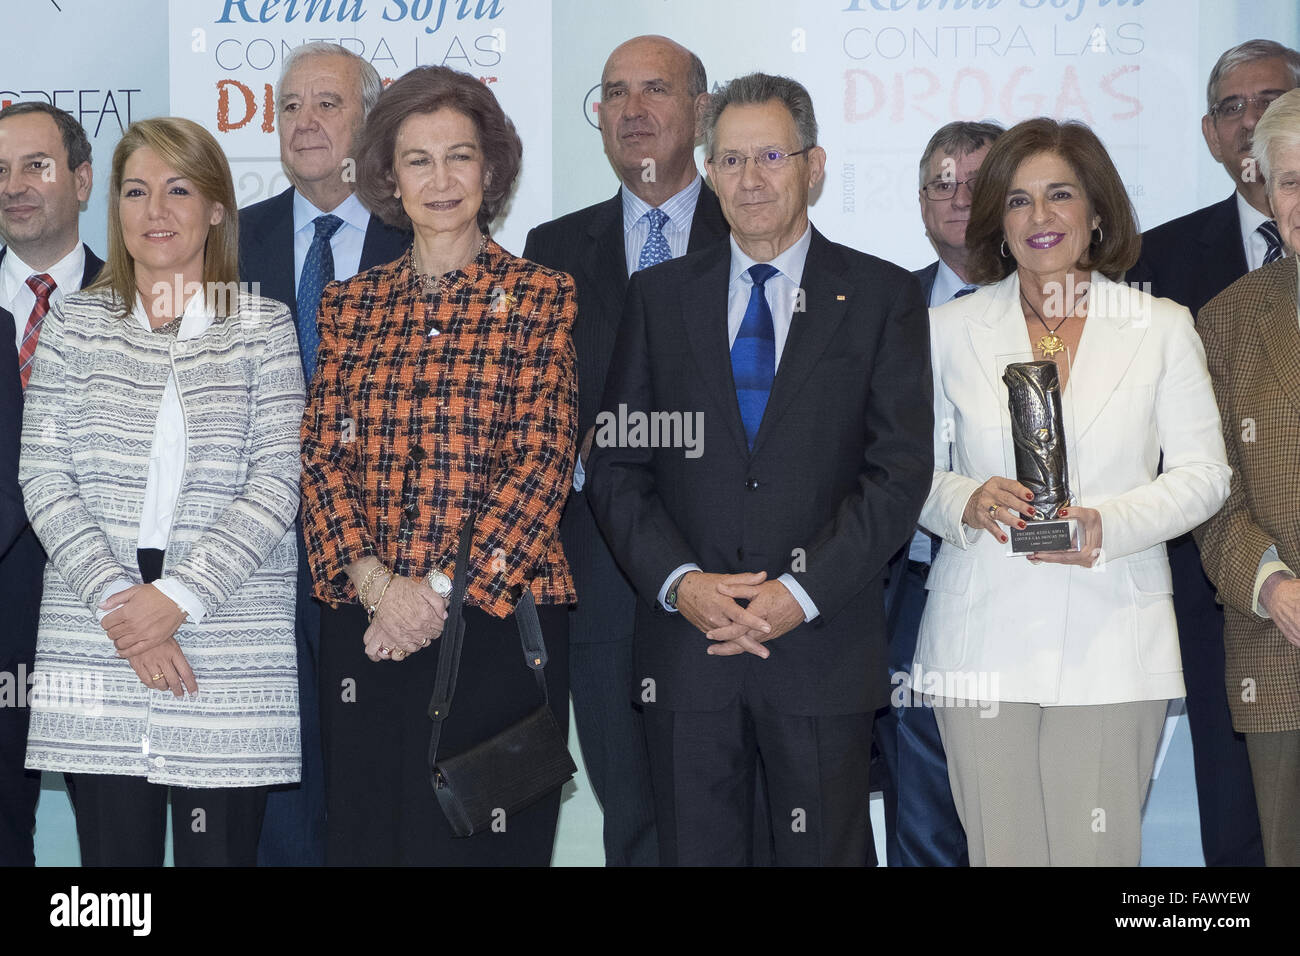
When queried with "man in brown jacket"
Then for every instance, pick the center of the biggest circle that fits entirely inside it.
(1252, 340)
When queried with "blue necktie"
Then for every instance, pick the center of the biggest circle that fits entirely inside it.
(1274, 239)
(656, 248)
(753, 354)
(317, 269)
(967, 289)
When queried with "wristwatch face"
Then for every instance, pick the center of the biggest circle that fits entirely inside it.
(440, 583)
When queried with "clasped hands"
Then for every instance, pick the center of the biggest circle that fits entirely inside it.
(709, 602)
(1002, 501)
(142, 624)
(408, 617)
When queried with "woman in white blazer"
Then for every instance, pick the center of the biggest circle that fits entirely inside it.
(1050, 673)
(160, 466)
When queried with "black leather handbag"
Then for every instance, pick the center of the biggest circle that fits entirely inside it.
(516, 767)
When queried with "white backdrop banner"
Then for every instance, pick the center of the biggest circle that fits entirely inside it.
(226, 57)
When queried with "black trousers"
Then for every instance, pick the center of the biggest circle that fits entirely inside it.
(814, 770)
(121, 821)
(380, 806)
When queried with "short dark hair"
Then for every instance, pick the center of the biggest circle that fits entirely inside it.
(427, 89)
(75, 142)
(957, 139)
(1079, 146)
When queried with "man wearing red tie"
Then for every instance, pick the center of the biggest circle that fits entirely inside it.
(45, 176)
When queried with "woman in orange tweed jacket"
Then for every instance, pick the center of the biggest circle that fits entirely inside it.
(444, 387)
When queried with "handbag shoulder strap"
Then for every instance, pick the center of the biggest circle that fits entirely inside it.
(453, 636)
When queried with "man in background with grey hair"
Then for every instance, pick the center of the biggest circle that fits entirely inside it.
(653, 95)
(921, 822)
(759, 559)
(1191, 260)
(294, 243)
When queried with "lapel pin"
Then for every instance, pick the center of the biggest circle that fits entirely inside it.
(433, 332)
(839, 298)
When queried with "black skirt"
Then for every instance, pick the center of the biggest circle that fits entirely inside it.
(380, 805)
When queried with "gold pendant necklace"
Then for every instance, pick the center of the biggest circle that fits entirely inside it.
(1051, 343)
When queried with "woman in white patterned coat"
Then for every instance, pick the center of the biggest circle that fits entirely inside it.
(160, 466)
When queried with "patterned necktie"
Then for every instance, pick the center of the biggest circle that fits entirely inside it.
(1269, 231)
(753, 354)
(317, 269)
(967, 289)
(656, 248)
(41, 285)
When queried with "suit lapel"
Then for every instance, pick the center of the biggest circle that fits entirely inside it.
(1224, 258)
(999, 331)
(1279, 331)
(605, 260)
(826, 297)
(271, 253)
(1112, 334)
(382, 244)
(704, 314)
(93, 264)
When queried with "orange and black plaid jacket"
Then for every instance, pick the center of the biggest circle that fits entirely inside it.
(427, 407)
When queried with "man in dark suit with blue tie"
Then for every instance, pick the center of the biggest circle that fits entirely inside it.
(652, 98)
(921, 822)
(764, 445)
(45, 176)
(1191, 260)
(292, 244)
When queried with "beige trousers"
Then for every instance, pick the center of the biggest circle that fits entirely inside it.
(1051, 786)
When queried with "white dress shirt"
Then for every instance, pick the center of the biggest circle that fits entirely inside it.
(780, 291)
(167, 464)
(17, 296)
(680, 210)
(1255, 245)
(345, 244)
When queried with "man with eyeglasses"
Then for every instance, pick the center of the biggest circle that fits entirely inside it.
(921, 822)
(759, 557)
(1191, 260)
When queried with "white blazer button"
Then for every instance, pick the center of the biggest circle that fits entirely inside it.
(159, 761)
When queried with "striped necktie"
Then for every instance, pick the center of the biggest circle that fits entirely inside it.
(1268, 230)
(42, 286)
(753, 354)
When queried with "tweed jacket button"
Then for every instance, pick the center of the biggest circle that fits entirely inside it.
(417, 453)
(420, 389)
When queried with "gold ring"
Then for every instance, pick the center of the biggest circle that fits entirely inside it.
(425, 642)
(383, 650)
(398, 654)
(993, 510)
(159, 676)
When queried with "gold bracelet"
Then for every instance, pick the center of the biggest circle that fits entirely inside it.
(363, 592)
(373, 612)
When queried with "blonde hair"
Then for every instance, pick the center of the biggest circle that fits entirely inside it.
(192, 152)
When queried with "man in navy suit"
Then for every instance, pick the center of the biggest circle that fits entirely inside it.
(45, 176)
(922, 826)
(652, 97)
(1191, 260)
(292, 245)
(757, 544)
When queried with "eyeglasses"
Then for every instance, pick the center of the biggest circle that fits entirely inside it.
(941, 190)
(1234, 107)
(731, 164)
